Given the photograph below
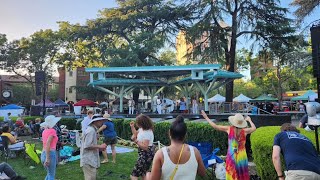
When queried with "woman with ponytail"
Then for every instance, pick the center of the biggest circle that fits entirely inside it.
(179, 160)
(237, 160)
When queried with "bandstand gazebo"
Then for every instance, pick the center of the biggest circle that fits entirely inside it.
(153, 79)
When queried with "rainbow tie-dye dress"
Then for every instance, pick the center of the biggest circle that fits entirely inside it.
(237, 161)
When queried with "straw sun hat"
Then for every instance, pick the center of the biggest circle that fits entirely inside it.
(238, 121)
(50, 121)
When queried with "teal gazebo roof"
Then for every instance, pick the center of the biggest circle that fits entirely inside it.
(154, 78)
(305, 96)
(121, 81)
(210, 76)
(155, 71)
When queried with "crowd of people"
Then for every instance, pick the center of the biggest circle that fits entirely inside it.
(178, 160)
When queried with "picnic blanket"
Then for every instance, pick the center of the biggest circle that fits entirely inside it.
(120, 150)
(67, 151)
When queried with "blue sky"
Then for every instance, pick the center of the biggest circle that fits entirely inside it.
(21, 18)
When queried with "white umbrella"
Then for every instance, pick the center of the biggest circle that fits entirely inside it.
(241, 98)
(217, 98)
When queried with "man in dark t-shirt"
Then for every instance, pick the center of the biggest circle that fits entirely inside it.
(300, 156)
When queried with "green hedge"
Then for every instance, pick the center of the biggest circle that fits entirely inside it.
(71, 123)
(26, 119)
(261, 145)
(197, 132)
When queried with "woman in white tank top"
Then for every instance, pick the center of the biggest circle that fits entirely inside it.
(188, 165)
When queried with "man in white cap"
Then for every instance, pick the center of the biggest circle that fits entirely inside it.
(89, 152)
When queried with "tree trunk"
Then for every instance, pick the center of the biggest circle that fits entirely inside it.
(231, 56)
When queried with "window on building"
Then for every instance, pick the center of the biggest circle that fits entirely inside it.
(70, 73)
(70, 90)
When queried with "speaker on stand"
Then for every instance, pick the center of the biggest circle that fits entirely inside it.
(315, 43)
(40, 79)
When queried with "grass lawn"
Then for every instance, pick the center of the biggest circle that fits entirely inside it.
(72, 171)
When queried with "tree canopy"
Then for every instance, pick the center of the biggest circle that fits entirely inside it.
(222, 24)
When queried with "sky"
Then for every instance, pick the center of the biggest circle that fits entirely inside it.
(21, 18)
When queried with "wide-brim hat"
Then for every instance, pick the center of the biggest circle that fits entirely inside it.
(238, 121)
(50, 121)
(97, 118)
(107, 116)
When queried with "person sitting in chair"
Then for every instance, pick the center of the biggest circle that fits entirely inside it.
(21, 129)
(13, 142)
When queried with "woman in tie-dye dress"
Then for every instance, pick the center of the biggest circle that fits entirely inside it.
(237, 161)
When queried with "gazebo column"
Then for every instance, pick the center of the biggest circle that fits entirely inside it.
(123, 91)
(205, 91)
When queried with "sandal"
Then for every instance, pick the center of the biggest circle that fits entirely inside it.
(104, 161)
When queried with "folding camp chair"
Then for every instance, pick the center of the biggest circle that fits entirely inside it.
(33, 156)
(208, 156)
(4, 151)
(7, 150)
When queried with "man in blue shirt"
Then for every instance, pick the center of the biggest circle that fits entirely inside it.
(110, 138)
(300, 156)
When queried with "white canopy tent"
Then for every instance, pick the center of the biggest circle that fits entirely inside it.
(217, 98)
(241, 99)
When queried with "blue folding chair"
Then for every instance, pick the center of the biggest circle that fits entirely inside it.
(209, 157)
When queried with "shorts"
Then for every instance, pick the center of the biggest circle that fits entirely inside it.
(144, 162)
(110, 140)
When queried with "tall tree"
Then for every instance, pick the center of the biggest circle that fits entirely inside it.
(222, 24)
(129, 35)
(36, 53)
(304, 7)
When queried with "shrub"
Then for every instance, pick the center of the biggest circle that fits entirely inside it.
(28, 118)
(261, 145)
(13, 118)
(71, 123)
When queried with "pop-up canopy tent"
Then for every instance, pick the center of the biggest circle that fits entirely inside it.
(264, 98)
(48, 104)
(241, 98)
(60, 103)
(306, 96)
(85, 102)
(217, 98)
(15, 110)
